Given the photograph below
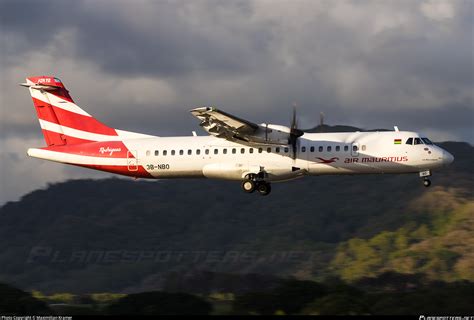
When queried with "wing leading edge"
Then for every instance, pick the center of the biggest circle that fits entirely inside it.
(224, 125)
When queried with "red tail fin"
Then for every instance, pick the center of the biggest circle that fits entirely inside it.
(62, 121)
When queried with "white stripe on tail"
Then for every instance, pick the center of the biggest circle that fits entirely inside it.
(65, 123)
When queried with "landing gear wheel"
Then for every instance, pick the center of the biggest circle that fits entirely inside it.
(426, 182)
(264, 188)
(248, 186)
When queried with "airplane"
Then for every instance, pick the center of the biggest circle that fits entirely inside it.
(235, 149)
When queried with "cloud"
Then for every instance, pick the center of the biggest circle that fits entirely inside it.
(438, 9)
(142, 65)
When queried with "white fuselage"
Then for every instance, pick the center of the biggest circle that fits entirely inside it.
(317, 154)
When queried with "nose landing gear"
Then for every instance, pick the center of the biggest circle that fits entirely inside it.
(425, 174)
(426, 182)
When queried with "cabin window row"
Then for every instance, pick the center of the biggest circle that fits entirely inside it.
(250, 150)
(329, 148)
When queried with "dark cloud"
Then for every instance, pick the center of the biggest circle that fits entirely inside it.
(120, 40)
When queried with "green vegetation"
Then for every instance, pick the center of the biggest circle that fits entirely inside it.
(133, 236)
(438, 242)
(160, 303)
(106, 298)
(288, 298)
(390, 293)
(17, 302)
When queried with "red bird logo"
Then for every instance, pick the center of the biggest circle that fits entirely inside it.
(328, 161)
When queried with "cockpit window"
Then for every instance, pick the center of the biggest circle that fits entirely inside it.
(427, 141)
(409, 141)
(418, 141)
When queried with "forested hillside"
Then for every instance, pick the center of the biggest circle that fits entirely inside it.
(123, 235)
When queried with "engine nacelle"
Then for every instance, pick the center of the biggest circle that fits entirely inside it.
(230, 171)
(238, 171)
(273, 133)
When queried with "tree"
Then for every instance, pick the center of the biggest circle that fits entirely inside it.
(14, 301)
(160, 303)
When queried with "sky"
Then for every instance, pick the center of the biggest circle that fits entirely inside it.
(142, 65)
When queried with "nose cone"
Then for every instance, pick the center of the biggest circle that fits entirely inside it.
(447, 157)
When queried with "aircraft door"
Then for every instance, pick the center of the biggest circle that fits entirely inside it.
(132, 160)
(355, 149)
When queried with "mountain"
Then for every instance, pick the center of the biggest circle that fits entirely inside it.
(339, 128)
(127, 236)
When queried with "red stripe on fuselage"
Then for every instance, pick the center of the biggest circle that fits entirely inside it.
(70, 119)
(122, 170)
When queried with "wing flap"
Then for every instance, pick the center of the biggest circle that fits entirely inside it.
(210, 115)
(224, 125)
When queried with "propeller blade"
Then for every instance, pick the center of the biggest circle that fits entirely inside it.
(295, 133)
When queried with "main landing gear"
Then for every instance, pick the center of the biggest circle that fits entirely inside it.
(425, 174)
(250, 184)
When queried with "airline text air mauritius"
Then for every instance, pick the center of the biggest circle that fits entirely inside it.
(235, 149)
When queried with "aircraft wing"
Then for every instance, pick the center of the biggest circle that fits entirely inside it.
(224, 125)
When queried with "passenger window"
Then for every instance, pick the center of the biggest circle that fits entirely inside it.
(157, 153)
(329, 148)
(277, 149)
(363, 147)
(409, 141)
(190, 152)
(198, 151)
(320, 149)
(269, 149)
(418, 141)
(251, 150)
(303, 149)
(181, 152)
(172, 152)
(148, 153)
(311, 149)
(338, 148)
(207, 151)
(216, 151)
(165, 152)
(355, 148)
(286, 150)
(242, 150)
(260, 150)
(224, 151)
(234, 150)
(346, 148)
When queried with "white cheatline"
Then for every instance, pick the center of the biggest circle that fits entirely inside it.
(46, 125)
(74, 158)
(57, 102)
(85, 135)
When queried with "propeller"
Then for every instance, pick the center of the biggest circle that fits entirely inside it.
(295, 133)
